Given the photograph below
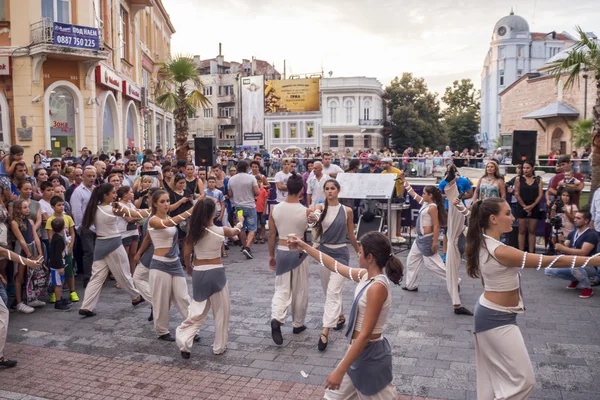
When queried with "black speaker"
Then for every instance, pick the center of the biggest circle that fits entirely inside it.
(524, 146)
(205, 149)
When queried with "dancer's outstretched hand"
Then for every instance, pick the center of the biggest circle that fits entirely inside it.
(294, 242)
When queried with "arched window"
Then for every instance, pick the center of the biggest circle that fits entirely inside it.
(367, 110)
(130, 128)
(348, 105)
(108, 126)
(333, 106)
(62, 120)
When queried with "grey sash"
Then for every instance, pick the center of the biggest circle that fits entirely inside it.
(286, 261)
(336, 233)
(104, 247)
(487, 319)
(423, 242)
(342, 254)
(371, 372)
(146, 258)
(170, 267)
(207, 283)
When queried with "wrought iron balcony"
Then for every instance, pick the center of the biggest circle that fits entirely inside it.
(43, 42)
(226, 99)
(371, 122)
(224, 121)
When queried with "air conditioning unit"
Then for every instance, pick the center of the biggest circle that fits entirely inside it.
(145, 95)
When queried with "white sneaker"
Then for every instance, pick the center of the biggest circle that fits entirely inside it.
(37, 303)
(399, 239)
(24, 308)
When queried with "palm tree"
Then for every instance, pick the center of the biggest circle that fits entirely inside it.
(180, 91)
(581, 133)
(583, 57)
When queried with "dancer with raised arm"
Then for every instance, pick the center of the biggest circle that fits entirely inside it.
(109, 254)
(288, 218)
(504, 369)
(209, 281)
(335, 225)
(365, 372)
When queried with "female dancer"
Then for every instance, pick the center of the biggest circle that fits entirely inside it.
(334, 226)
(491, 184)
(504, 369)
(34, 264)
(366, 370)
(109, 254)
(128, 226)
(167, 280)
(208, 277)
(529, 192)
(27, 244)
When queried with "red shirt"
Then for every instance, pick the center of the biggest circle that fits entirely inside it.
(260, 200)
(559, 177)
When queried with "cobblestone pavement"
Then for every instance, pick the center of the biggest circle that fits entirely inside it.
(116, 353)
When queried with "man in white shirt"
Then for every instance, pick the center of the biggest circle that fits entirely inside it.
(330, 169)
(315, 184)
(242, 191)
(281, 180)
(447, 156)
(79, 201)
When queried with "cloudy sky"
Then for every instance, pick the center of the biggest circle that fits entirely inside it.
(440, 40)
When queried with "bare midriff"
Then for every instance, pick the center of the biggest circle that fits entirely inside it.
(207, 261)
(505, 299)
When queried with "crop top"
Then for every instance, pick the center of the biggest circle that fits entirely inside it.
(106, 222)
(209, 246)
(332, 212)
(290, 218)
(496, 276)
(162, 238)
(362, 304)
(425, 216)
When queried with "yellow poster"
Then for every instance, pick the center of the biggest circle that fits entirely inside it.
(292, 95)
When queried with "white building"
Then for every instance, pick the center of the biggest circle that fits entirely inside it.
(286, 131)
(354, 113)
(514, 51)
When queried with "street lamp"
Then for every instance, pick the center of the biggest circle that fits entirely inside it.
(585, 77)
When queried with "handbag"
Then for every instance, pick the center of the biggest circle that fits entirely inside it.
(3, 235)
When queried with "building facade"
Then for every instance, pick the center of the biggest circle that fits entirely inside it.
(221, 86)
(291, 131)
(514, 52)
(354, 114)
(75, 76)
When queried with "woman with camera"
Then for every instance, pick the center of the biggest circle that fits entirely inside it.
(140, 190)
(565, 210)
(529, 192)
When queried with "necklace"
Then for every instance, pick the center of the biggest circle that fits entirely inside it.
(491, 238)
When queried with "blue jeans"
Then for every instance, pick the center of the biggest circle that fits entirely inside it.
(582, 275)
(3, 294)
(250, 220)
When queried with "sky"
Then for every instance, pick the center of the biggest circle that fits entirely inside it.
(439, 40)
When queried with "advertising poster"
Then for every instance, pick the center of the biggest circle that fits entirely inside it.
(253, 115)
(292, 95)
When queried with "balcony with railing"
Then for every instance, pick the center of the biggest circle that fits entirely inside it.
(371, 122)
(79, 45)
(224, 121)
(230, 98)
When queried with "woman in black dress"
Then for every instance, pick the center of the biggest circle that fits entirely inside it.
(181, 200)
(529, 192)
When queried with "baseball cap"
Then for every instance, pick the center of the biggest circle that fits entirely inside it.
(373, 157)
(387, 160)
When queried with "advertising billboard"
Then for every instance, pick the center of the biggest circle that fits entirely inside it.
(82, 37)
(292, 95)
(253, 113)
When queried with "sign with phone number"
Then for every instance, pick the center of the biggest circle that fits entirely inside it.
(82, 37)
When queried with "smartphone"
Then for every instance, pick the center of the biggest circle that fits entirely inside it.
(149, 173)
(240, 213)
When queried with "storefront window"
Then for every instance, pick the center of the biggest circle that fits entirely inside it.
(169, 134)
(62, 120)
(158, 131)
(130, 128)
(108, 128)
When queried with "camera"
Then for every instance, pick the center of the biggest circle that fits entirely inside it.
(556, 222)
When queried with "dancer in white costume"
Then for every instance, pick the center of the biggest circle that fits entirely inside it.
(504, 369)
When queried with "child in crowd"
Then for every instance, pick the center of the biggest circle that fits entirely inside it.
(261, 215)
(47, 193)
(219, 198)
(566, 212)
(569, 179)
(7, 166)
(68, 236)
(57, 263)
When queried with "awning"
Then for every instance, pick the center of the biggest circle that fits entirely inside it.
(556, 109)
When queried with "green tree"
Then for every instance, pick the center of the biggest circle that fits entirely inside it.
(461, 117)
(583, 58)
(415, 114)
(180, 91)
(581, 133)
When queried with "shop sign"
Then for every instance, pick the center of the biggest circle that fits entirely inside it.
(108, 77)
(5, 66)
(132, 91)
(81, 37)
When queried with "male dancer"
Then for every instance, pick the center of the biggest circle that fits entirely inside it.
(291, 268)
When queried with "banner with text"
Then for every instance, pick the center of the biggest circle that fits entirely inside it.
(292, 95)
(82, 37)
(253, 113)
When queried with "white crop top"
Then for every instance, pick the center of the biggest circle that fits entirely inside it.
(290, 218)
(496, 276)
(362, 303)
(106, 222)
(162, 238)
(425, 216)
(209, 246)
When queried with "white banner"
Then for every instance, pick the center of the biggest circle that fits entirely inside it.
(253, 111)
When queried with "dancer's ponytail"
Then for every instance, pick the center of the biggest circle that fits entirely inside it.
(478, 222)
(379, 246)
